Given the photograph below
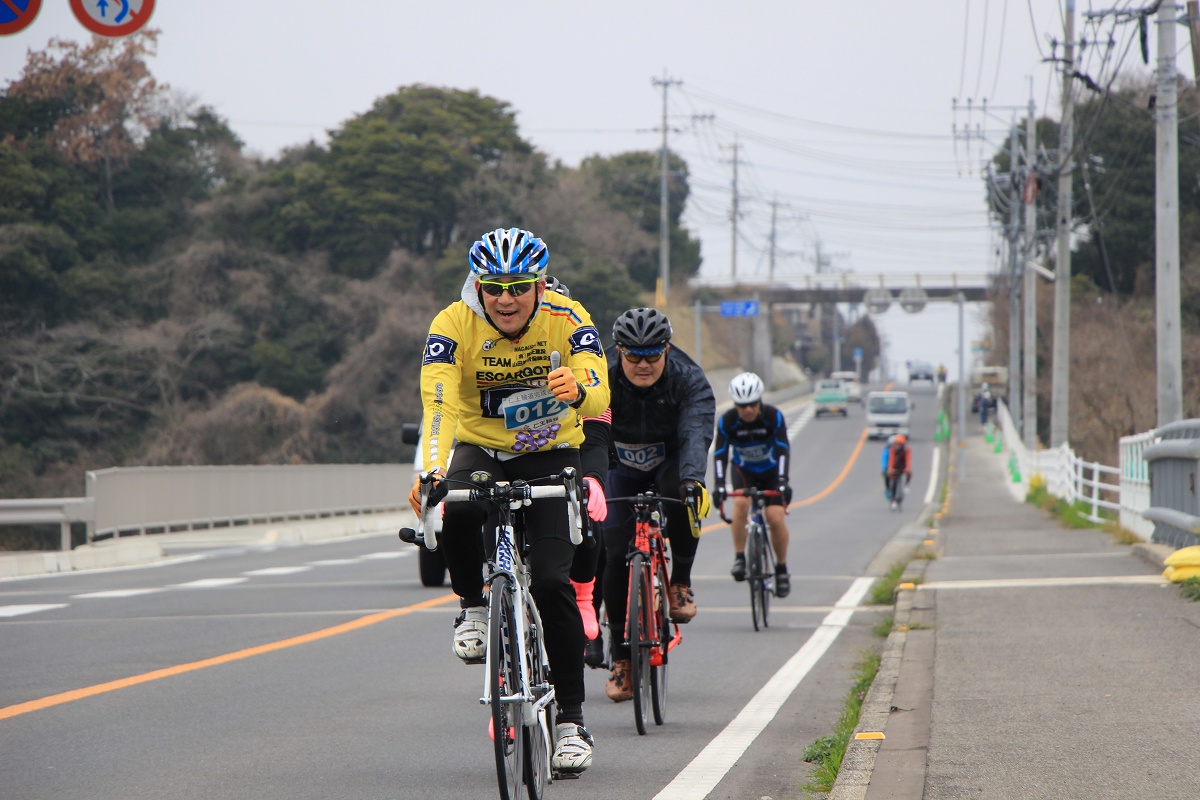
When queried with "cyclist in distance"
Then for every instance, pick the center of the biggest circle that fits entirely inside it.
(899, 463)
(663, 412)
(883, 467)
(753, 436)
(486, 380)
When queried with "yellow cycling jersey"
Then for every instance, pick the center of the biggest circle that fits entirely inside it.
(481, 388)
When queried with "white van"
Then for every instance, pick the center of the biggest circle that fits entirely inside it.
(888, 413)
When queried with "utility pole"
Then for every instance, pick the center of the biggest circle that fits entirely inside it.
(733, 214)
(771, 262)
(1061, 374)
(1166, 203)
(1029, 405)
(1015, 266)
(664, 218)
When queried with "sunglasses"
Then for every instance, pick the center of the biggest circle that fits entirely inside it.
(746, 405)
(634, 358)
(516, 288)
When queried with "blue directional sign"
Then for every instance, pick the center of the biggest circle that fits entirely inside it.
(739, 308)
(858, 352)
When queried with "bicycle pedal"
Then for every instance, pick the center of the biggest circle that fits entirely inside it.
(681, 621)
(564, 776)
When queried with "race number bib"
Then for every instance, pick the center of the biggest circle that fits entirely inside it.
(644, 457)
(756, 453)
(532, 408)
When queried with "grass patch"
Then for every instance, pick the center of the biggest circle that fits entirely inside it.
(928, 554)
(826, 753)
(884, 626)
(1190, 589)
(1122, 535)
(883, 592)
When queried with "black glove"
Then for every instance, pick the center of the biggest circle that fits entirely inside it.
(786, 492)
(719, 495)
(907, 478)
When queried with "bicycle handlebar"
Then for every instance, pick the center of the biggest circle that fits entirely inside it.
(516, 493)
(752, 493)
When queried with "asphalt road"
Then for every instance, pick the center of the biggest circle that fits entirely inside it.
(324, 670)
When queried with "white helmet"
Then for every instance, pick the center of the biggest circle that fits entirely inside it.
(746, 388)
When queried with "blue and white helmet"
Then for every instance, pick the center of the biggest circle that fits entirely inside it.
(509, 252)
(745, 389)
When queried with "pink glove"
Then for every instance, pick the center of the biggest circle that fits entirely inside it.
(597, 505)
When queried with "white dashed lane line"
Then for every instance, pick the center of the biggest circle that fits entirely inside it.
(16, 611)
(115, 593)
(278, 571)
(207, 583)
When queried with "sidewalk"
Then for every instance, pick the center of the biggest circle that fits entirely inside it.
(1036, 662)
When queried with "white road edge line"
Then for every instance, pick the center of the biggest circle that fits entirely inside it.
(16, 611)
(933, 474)
(708, 768)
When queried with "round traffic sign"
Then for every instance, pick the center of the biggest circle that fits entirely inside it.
(877, 300)
(913, 299)
(112, 18)
(16, 15)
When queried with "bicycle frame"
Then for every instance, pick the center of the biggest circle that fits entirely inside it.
(759, 550)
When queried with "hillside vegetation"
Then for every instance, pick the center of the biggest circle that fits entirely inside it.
(166, 300)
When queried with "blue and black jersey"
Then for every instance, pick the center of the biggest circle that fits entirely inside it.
(756, 447)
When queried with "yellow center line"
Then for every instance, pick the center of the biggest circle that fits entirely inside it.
(167, 672)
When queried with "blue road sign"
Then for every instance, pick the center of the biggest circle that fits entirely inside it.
(739, 308)
(858, 352)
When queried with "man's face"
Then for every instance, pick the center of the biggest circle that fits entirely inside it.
(641, 371)
(748, 412)
(507, 312)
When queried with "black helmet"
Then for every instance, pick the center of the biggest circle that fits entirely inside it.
(553, 285)
(642, 327)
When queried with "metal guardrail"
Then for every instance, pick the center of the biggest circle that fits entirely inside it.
(1174, 467)
(61, 511)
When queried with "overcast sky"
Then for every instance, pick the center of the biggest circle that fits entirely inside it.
(844, 113)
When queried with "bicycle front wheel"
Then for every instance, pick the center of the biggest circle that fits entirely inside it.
(504, 687)
(641, 638)
(758, 565)
(662, 618)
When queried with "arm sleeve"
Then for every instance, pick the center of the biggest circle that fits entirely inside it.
(783, 448)
(440, 380)
(720, 453)
(593, 456)
(697, 417)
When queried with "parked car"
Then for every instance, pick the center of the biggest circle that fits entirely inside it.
(851, 384)
(888, 413)
(829, 396)
(431, 563)
(921, 371)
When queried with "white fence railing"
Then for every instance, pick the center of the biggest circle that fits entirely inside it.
(1124, 491)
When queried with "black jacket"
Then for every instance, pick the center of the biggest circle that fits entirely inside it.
(679, 412)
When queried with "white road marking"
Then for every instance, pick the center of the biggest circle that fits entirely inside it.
(708, 768)
(16, 611)
(1035, 583)
(385, 554)
(277, 571)
(333, 562)
(115, 593)
(933, 474)
(209, 583)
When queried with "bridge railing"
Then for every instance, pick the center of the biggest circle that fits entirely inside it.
(141, 500)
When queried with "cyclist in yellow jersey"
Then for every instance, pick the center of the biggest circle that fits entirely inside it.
(487, 382)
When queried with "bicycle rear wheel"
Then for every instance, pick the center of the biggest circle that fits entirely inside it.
(538, 732)
(641, 636)
(662, 619)
(504, 681)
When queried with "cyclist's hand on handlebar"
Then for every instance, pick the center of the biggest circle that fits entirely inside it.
(719, 496)
(907, 478)
(695, 497)
(786, 492)
(597, 506)
(563, 384)
(437, 492)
